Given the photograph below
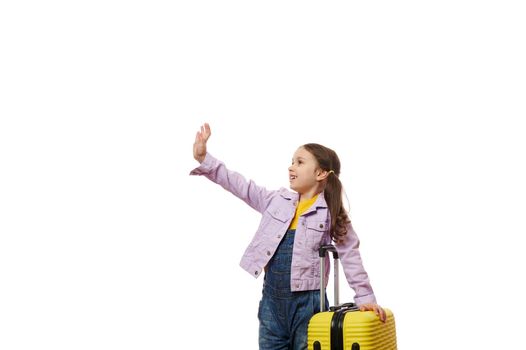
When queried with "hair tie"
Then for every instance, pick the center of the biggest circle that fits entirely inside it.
(332, 171)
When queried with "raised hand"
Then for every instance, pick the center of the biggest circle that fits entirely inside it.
(201, 137)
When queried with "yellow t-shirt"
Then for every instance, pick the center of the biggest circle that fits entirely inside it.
(302, 207)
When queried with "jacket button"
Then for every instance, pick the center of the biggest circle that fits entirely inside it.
(268, 252)
(321, 225)
(297, 286)
(279, 236)
(256, 273)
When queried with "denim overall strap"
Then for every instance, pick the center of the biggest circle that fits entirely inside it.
(277, 277)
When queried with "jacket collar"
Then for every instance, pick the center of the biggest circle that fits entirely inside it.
(319, 203)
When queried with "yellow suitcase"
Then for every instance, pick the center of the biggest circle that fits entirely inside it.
(344, 327)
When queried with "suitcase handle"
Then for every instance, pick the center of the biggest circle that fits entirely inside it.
(328, 248)
(346, 306)
(323, 253)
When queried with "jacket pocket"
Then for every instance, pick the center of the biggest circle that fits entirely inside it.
(277, 214)
(275, 221)
(315, 232)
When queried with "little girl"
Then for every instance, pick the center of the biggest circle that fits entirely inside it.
(285, 247)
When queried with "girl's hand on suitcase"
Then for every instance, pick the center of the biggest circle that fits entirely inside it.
(200, 142)
(377, 310)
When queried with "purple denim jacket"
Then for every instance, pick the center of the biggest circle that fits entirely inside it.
(277, 208)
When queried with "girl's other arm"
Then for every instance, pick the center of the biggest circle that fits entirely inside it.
(351, 260)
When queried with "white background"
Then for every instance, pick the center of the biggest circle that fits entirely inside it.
(107, 243)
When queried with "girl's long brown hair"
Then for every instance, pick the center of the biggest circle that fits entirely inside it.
(328, 160)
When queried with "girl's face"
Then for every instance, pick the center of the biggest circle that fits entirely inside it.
(304, 173)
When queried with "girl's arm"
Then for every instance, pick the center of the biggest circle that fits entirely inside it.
(256, 196)
(352, 265)
(356, 276)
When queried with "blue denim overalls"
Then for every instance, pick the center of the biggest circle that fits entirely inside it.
(284, 315)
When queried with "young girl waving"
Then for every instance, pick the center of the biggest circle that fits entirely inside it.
(285, 247)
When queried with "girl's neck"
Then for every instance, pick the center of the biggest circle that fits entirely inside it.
(307, 196)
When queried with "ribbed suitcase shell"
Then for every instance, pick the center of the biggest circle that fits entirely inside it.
(362, 328)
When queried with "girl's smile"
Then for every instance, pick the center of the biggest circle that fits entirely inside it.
(304, 174)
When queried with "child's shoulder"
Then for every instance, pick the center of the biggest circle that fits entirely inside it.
(286, 193)
(281, 197)
(280, 204)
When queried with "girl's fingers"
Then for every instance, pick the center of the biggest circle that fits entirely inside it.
(381, 313)
(378, 310)
(205, 131)
(365, 307)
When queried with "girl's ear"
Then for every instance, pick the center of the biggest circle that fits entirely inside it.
(321, 174)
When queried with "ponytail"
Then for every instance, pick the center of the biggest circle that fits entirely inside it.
(339, 218)
(328, 160)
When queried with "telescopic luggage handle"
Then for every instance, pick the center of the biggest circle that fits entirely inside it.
(323, 254)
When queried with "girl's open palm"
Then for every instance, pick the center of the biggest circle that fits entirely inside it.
(200, 142)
